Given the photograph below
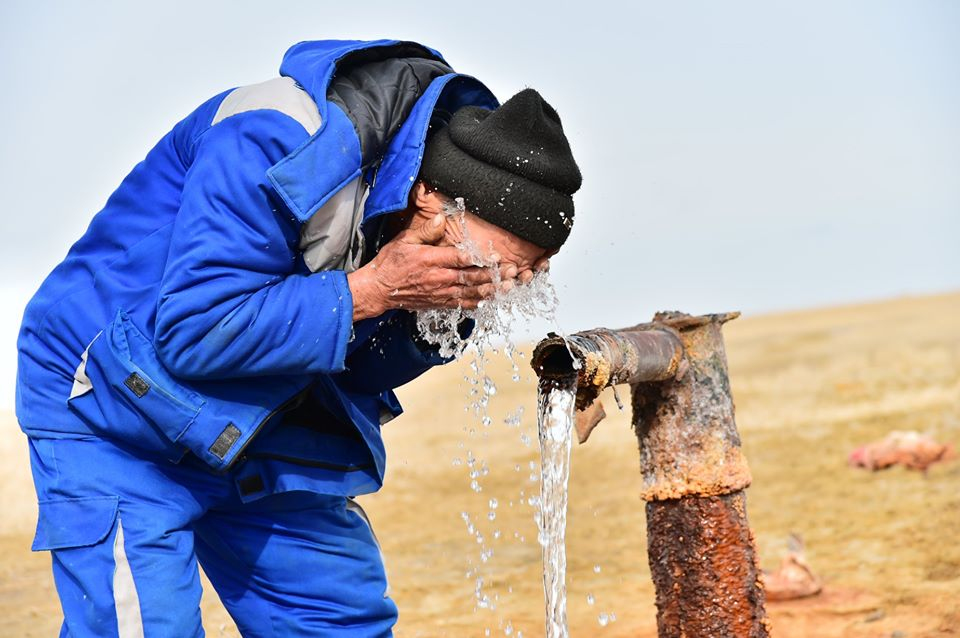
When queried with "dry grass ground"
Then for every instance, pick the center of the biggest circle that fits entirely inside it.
(808, 386)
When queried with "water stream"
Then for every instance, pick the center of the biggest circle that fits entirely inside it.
(493, 323)
(555, 421)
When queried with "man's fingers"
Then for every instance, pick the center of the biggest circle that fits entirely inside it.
(542, 265)
(525, 277)
(465, 293)
(429, 232)
(450, 257)
(481, 274)
(474, 276)
(478, 293)
(466, 297)
(454, 296)
(477, 276)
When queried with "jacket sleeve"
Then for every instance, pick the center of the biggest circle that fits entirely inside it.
(233, 301)
(392, 356)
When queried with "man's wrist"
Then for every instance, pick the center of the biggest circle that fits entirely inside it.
(363, 289)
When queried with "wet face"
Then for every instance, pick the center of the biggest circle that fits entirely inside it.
(491, 240)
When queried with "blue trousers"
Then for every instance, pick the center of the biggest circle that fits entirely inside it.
(126, 535)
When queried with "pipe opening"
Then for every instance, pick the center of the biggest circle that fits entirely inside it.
(556, 361)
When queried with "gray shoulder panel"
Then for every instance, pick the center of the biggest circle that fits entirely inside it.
(279, 94)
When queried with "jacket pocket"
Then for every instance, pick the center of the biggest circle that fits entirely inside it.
(136, 400)
(132, 397)
(75, 522)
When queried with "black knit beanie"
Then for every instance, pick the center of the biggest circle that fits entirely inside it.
(512, 166)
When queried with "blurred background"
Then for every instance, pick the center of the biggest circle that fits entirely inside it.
(751, 155)
(759, 155)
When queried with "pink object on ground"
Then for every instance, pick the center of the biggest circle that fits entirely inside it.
(908, 448)
(794, 578)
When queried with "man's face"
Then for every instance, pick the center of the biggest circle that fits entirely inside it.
(489, 239)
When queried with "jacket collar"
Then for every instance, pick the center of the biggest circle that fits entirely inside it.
(401, 161)
(313, 63)
(306, 178)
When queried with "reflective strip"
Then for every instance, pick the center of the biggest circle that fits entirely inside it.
(331, 239)
(353, 506)
(278, 94)
(81, 382)
(125, 598)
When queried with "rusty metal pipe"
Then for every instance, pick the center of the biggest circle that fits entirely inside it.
(699, 544)
(700, 547)
(602, 357)
(704, 566)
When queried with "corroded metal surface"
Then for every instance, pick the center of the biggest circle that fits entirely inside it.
(702, 555)
(704, 565)
(602, 357)
(689, 444)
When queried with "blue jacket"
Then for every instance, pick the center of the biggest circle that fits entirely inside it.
(210, 293)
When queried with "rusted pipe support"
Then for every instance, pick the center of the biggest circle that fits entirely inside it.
(604, 357)
(704, 565)
(701, 551)
(689, 444)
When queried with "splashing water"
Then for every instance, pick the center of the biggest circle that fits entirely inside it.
(493, 323)
(494, 318)
(556, 406)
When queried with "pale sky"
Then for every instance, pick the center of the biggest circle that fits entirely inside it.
(738, 155)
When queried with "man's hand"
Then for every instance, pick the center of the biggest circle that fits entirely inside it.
(413, 272)
(542, 265)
